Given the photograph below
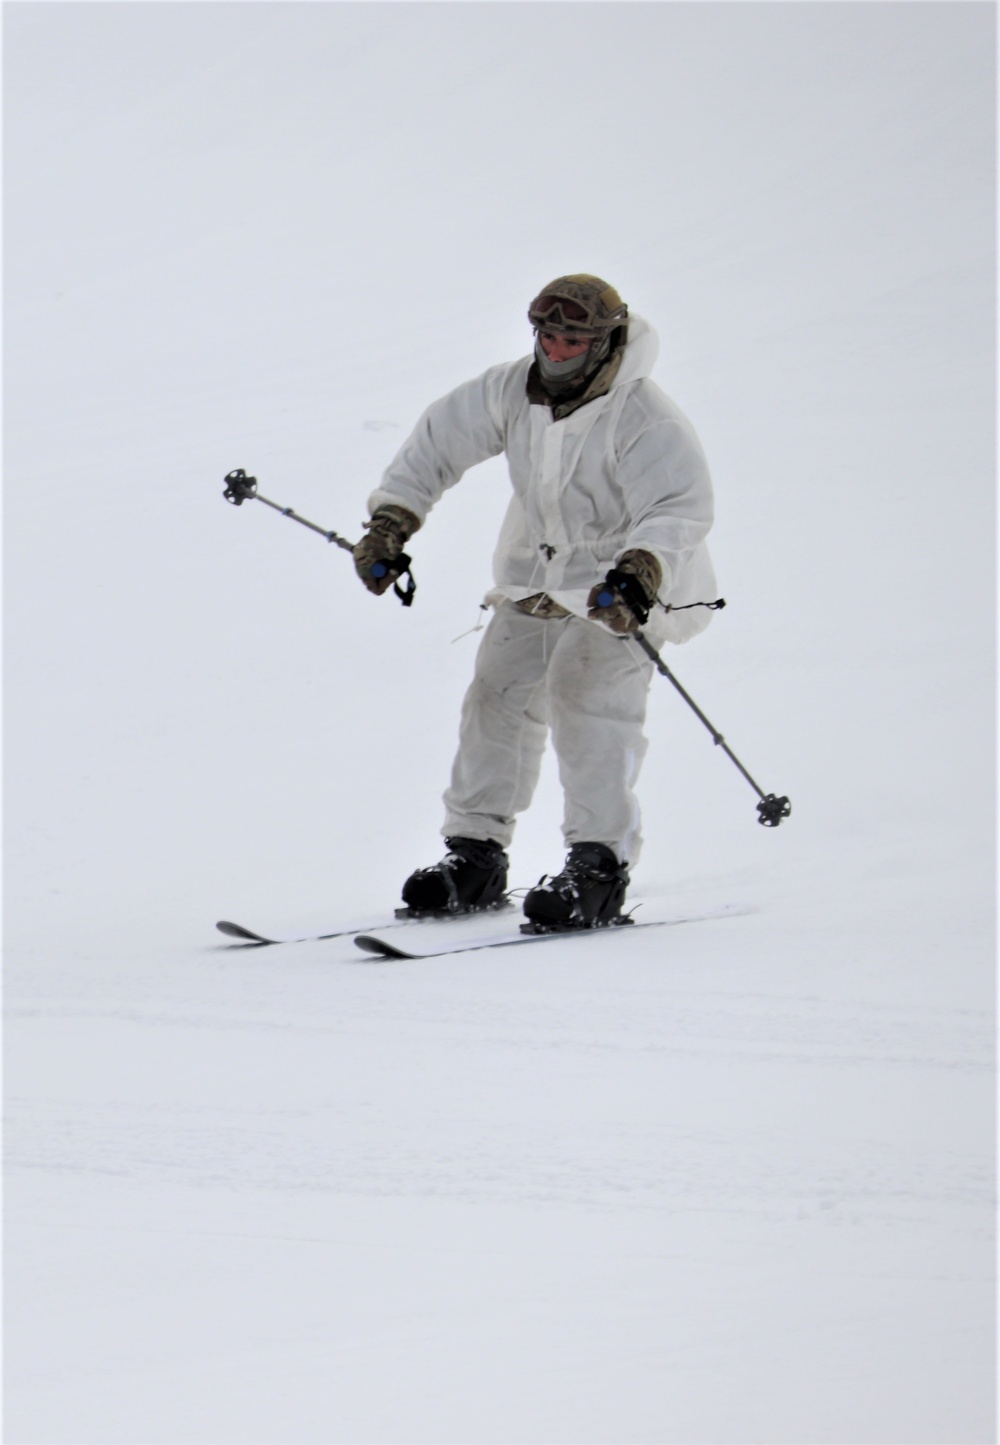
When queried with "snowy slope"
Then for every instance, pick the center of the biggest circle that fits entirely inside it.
(723, 1183)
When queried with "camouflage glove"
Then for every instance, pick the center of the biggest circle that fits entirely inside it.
(622, 601)
(388, 532)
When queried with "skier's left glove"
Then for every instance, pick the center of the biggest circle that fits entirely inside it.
(627, 592)
(388, 532)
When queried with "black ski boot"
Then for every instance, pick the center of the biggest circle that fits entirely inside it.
(588, 893)
(471, 876)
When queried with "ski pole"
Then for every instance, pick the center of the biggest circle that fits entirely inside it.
(771, 809)
(240, 488)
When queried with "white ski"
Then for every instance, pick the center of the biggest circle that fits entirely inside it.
(343, 930)
(249, 935)
(431, 943)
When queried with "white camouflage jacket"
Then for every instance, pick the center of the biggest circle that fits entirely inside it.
(625, 470)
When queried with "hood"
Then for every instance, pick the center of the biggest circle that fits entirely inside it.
(641, 350)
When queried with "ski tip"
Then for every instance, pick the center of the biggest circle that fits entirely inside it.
(368, 943)
(236, 930)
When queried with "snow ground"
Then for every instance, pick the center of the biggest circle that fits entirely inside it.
(730, 1182)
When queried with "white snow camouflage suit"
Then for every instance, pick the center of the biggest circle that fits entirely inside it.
(624, 471)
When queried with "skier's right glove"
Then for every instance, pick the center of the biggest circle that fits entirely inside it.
(388, 531)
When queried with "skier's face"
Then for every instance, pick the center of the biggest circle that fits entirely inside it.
(558, 347)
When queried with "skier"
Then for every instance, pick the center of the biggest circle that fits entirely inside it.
(612, 503)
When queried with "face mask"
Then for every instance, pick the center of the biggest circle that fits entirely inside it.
(563, 371)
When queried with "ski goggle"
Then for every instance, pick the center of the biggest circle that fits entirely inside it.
(563, 313)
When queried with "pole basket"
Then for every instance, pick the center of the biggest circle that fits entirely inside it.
(772, 809)
(239, 487)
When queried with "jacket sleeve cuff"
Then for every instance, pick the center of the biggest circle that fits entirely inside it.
(382, 498)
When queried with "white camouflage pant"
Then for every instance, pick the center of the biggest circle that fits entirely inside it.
(589, 687)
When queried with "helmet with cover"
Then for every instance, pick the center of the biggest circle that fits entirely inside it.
(579, 308)
(578, 305)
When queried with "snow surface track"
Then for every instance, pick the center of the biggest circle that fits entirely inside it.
(711, 1185)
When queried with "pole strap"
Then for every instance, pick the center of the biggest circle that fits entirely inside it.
(715, 606)
(399, 566)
